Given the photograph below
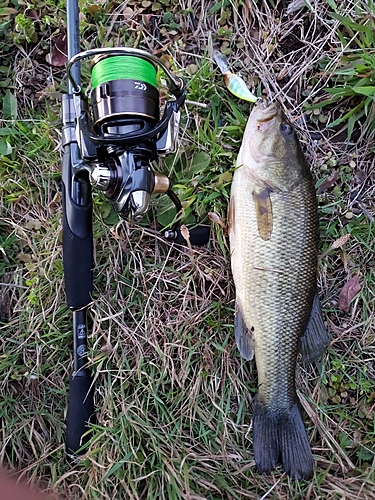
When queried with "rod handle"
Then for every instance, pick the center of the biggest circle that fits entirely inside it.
(80, 411)
(77, 237)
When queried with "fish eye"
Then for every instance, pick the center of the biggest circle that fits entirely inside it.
(286, 129)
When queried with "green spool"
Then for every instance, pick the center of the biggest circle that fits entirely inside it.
(123, 68)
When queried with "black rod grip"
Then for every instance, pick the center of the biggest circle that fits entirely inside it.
(78, 265)
(77, 236)
(80, 411)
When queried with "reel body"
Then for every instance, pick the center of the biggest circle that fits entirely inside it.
(119, 130)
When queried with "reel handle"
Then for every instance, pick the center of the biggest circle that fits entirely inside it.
(199, 235)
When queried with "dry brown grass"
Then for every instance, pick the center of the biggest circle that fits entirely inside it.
(173, 396)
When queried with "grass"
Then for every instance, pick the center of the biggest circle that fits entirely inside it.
(174, 398)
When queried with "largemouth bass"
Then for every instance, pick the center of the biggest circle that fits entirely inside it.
(273, 231)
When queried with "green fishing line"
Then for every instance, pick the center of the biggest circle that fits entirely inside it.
(123, 68)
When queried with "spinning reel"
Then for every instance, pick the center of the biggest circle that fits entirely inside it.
(119, 130)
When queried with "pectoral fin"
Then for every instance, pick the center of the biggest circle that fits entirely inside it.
(263, 208)
(244, 338)
(314, 341)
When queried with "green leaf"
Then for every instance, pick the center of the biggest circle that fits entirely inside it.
(118, 465)
(167, 217)
(349, 23)
(6, 82)
(112, 218)
(320, 105)
(199, 162)
(7, 11)
(364, 454)
(9, 106)
(239, 116)
(212, 196)
(216, 7)
(224, 178)
(340, 91)
(168, 17)
(356, 109)
(351, 122)
(368, 91)
(5, 131)
(343, 40)
(335, 122)
(332, 4)
(5, 147)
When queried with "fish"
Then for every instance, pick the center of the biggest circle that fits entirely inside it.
(273, 233)
(235, 84)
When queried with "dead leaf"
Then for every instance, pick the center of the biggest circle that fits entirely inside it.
(186, 235)
(339, 243)
(348, 292)
(214, 217)
(359, 176)
(166, 60)
(295, 5)
(59, 57)
(33, 224)
(4, 298)
(328, 183)
(128, 13)
(93, 9)
(191, 69)
(224, 178)
(24, 257)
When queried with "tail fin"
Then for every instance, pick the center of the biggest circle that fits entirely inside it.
(280, 436)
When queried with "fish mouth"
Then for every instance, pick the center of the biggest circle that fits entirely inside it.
(267, 112)
(264, 114)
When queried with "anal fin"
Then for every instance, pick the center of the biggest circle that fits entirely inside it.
(314, 341)
(244, 338)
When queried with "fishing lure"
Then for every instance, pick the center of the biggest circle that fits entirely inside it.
(235, 84)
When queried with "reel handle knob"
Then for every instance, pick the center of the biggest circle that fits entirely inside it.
(199, 235)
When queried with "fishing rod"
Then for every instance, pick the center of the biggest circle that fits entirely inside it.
(111, 135)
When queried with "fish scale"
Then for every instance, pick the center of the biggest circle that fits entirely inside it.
(273, 231)
(260, 290)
